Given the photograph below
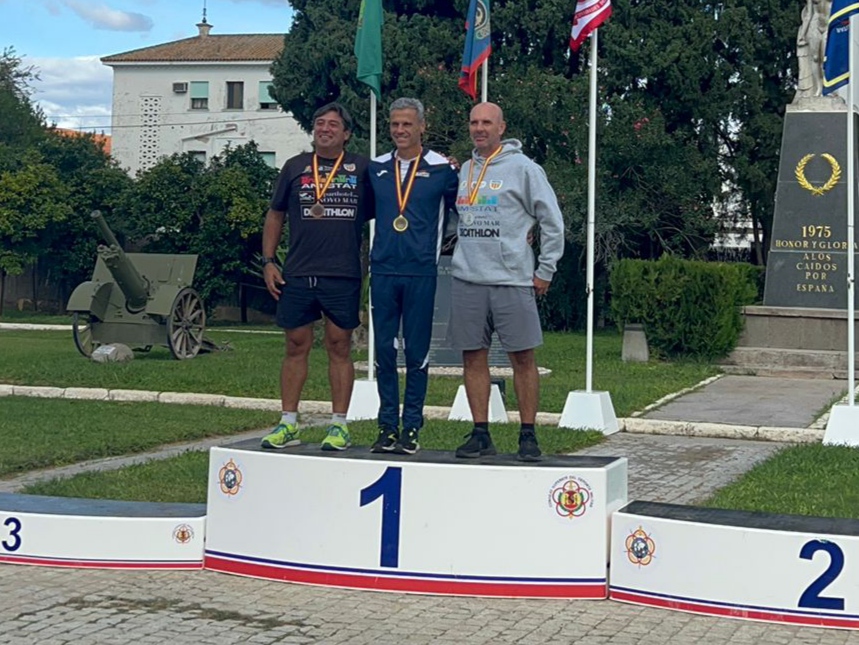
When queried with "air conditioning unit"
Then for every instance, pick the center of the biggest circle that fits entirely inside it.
(180, 88)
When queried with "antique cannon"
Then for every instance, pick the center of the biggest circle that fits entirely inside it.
(139, 299)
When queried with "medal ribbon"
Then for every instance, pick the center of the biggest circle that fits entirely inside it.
(321, 193)
(472, 196)
(402, 200)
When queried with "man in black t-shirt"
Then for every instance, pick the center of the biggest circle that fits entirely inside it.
(326, 197)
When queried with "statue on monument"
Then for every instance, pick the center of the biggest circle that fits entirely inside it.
(811, 48)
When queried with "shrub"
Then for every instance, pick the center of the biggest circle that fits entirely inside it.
(687, 307)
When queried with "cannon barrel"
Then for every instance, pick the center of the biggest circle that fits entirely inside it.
(132, 284)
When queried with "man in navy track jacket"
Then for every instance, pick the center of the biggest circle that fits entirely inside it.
(414, 188)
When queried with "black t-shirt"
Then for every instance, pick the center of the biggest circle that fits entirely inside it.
(328, 244)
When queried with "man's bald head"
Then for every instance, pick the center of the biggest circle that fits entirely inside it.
(486, 127)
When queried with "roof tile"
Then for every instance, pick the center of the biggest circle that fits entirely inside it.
(229, 47)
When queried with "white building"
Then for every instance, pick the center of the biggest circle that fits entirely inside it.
(199, 95)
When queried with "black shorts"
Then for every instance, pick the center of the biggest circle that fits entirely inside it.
(304, 300)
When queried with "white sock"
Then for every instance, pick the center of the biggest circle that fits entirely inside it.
(289, 418)
(339, 419)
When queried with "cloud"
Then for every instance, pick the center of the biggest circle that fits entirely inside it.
(74, 92)
(104, 17)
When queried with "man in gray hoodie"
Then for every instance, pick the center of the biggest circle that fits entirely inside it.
(502, 196)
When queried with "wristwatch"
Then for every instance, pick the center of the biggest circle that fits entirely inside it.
(269, 261)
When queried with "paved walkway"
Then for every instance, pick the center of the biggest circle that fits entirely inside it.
(43, 605)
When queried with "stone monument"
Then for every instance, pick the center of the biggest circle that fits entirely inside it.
(802, 325)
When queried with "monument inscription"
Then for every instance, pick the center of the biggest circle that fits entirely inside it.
(807, 264)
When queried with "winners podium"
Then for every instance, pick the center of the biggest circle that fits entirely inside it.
(427, 523)
(100, 534)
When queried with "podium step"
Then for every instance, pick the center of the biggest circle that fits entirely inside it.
(102, 534)
(738, 564)
(430, 523)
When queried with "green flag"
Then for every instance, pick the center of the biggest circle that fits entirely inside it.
(368, 45)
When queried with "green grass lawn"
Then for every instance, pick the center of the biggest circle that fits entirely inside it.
(34, 317)
(41, 433)
(183, 478)
(252, 368)
(815, 480)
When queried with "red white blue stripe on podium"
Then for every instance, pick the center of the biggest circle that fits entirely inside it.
(404, 581)
(731, 610)
(78, 563)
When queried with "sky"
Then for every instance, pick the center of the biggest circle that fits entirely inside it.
(64, 40)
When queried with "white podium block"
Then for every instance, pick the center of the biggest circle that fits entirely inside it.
(429, 523)
(737, 564)
(365, 401)
(589, 411)
(842, 428)
(100, 534)
(460, 411)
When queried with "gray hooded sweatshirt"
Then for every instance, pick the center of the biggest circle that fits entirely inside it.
(493, 230)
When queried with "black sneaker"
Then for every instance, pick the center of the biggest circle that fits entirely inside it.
(479, 444)
(408, 443)
(528, 448)
(386, 442)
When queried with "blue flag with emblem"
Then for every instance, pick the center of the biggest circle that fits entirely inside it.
(836, 69)
(478, 45)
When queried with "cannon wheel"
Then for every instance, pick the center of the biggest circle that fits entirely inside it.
(82, 333)
(186, 324)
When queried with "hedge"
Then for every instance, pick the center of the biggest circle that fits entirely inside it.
(687, 307)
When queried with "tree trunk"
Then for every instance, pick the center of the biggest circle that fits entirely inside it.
(35, 285)
(2, 289)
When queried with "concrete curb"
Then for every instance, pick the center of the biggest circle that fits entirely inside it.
(35, 327)
(721, 430)
(634, 425)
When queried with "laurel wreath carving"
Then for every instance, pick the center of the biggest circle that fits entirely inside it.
(830, 183)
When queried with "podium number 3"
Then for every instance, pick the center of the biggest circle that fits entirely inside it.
(389, 487)
(811, 596)
(13, 542)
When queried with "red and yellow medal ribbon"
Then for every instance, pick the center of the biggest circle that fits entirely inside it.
(320, 193)
(472, 196)
(403, 199)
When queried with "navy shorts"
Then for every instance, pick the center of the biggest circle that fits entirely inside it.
(304, 300)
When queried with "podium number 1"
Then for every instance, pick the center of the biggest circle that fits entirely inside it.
(389, 487)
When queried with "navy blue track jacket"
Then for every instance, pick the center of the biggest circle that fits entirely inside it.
(416, 250)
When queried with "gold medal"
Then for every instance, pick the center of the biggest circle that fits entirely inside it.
(400, 224)
(318, 210)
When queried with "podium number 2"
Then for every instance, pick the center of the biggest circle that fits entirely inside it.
(811, 596)
(389, 487)
(13, 541)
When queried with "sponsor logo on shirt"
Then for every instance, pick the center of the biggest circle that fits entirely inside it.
(331, 213)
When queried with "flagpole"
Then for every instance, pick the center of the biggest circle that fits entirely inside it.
(592, 168)
(587, 408)
(841, 428)
(484, 82)
(371, 343)
(851, 206)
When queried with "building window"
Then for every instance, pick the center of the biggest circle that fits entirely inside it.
(198, 155)
(235, 95)
(199, 95)
(266, 100)
(270, 159)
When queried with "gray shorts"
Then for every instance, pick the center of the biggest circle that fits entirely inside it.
(476, 310)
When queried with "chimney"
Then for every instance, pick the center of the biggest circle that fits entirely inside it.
(204, 28)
